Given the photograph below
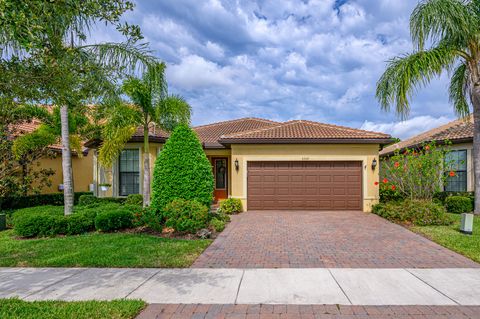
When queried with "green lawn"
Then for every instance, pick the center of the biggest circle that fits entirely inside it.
(452, 238)
(99, 250)
(15, 308)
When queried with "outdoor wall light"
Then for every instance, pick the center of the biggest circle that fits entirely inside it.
(374, 163)
(237, 166)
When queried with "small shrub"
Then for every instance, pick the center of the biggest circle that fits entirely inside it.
(217, 224)
(39, 225)
(458, 204)
(186, 215)
(134, 199)
(146, 216)
(417, 212)
(79, 223)
(231, 206)
(442, 196)
(219, 214)
(107, 221)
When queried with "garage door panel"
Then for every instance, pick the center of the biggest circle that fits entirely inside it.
(304, 185)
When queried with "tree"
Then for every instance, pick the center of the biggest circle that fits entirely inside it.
(45, 44)
(182, 170)
(17, 174)
(452, 28)
(150, 105)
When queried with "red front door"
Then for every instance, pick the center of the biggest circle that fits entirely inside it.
(220, 172)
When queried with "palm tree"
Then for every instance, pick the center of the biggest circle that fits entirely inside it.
(452, 29)
(46, 41)
(150, 105)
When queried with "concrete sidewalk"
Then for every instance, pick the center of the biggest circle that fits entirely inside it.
(344, 286)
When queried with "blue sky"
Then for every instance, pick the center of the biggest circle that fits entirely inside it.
(316, 60)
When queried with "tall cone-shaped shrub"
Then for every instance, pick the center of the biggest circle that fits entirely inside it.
(182, 170)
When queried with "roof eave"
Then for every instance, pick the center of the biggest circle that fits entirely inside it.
(381, 141)
(438, 142)
(213, 146)
(95, 143)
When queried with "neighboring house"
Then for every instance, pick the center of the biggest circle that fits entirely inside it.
(269, 165)
(460, 134)
(82, 166)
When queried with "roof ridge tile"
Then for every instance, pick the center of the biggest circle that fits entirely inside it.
(233, 121)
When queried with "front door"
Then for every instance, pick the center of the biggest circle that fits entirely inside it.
(220, 172)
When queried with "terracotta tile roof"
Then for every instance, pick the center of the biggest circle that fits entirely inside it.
(28, 127)
(210, 134)
(155, 134)
(300, 131)
(456, 131)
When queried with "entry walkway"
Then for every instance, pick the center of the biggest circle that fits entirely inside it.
(342, 286)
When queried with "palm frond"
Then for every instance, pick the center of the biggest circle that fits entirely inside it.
(459, 90)
(436, 20)
(172, 111)
(405, 74)
(131, 57)
(121, 122)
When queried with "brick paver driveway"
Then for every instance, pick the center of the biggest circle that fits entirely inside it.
(297, 239)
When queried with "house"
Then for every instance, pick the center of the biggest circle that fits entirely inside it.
(460, 134)
(82, 164)
(269, 165)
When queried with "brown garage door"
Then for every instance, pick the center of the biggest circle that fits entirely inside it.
(304, 185)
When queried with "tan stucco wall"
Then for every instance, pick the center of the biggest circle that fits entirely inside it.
(82, 172)
(306, 152)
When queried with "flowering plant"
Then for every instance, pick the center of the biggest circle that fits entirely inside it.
(415, 173)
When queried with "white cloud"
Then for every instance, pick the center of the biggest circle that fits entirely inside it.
(194, 72)
(408, 128)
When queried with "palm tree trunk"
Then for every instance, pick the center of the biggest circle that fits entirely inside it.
(146, 167)
(66, 162)
(476, 145)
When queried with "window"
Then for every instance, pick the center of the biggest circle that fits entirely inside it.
(129, 172)
(456, 161)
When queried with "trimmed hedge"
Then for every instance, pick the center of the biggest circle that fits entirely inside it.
(231, 206)
(182, 170)
(186, 215)
(39, 225)
(44, 221)
(458, 204)
(91, 199)
(417, 212)
(442, 196)
(55, 199)
(114, 220)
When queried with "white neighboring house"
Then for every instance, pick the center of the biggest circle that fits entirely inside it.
(460, 134)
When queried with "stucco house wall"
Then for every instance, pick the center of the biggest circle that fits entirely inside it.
(82, 172)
